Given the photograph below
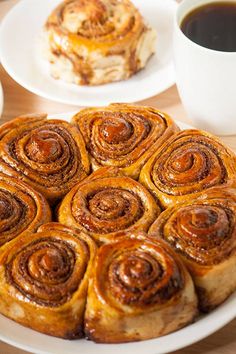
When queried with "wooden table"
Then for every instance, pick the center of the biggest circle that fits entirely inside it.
(19, 101)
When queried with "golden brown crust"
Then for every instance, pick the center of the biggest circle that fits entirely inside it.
(139, 290)
(95, 35)
(105, 204)
(189, 163)
(49, 155)
(203, 232)
(44, 278)
(123, 135)
(139, 287)
(22, 209)
(95, 30)
(17, 122)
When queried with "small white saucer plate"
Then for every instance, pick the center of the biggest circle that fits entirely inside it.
(21, 56)
(37, 343)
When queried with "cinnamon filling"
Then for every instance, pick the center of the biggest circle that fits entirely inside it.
(188, 166)
(43, 148)
(44, 271)
(138, 276)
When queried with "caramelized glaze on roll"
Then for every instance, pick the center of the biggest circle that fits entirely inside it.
(123, 135)
(92, 42)
(44, 278)
(203, 232)
(49, 155)
(139, 290)
(22, 209)
(189, 163)
(104, 206)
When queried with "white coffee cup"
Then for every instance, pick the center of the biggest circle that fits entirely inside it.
(206, 78)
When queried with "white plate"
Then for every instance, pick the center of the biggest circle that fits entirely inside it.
(1, 99)
(21, 57)
(32, 341)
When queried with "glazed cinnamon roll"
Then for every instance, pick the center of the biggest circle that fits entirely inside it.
(22, 209)
(44, 278)
(92, 42)
(189, 163)
(139, 289)
(49, 155)
(104, 206)
(203, 232)
(123, 135)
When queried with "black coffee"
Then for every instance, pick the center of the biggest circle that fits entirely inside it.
(212, 26)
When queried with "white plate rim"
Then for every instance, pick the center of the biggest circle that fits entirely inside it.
(1, 99)
(202, 328)
(141, 95)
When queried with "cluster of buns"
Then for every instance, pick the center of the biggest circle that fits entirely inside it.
(116, 226)
(92, 42)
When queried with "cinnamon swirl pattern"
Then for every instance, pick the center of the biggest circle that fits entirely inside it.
(203, 232)
(137, 284)
(105, 206)
(189, 163)
(44, 277)
(123, 135)
(92, 42)
(22, 210)
(49, 155)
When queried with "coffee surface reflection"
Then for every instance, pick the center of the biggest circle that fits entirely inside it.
(212, 26)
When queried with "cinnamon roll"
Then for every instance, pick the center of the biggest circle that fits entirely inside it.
(123, 135)
(139, 289)
(104, 206)
(22, 209)
(203, 232)
(92, 42)
(48, 154)
(44, 278)
(189, 163)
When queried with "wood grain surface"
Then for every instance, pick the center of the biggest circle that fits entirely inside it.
(19, 101)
